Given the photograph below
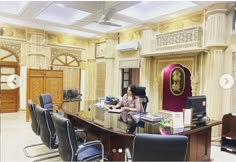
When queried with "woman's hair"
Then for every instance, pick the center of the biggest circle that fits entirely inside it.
(133, 90)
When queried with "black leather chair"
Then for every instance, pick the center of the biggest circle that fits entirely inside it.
(35, 128)
(141, 92)
(154, 147)
(73, 95)
(69, 148)
(45, 101)
(47, 130)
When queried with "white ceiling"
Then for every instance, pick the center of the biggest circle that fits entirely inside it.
(77, 17)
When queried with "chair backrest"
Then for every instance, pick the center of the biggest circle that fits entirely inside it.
(153, 147)
(45, 101)
(68, 144)
(141, 92)
(65, 93)
(34, 121)
(47, 129)
(72, 93)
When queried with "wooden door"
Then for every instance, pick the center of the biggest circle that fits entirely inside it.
(44, 81)
(9, 97)
(53, 84)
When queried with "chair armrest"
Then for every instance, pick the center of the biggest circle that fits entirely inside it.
(91, 143)
(128, 157)
(78, 131)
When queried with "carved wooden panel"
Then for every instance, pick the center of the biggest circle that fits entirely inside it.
(9, 100)
(45, 81)
(55, 88)
(35, 88)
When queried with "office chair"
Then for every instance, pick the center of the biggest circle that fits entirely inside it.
(45, 101)
(73, 95)
(154, 147)
(35, 127)
(141, 92)
(69, 149)
(47, 130)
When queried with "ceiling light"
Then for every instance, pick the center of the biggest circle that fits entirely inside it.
(54, 13)
(154, 9)
(12, 7)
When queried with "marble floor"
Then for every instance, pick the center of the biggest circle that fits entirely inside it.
(16, 133)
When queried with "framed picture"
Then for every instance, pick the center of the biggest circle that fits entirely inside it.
(100, 49)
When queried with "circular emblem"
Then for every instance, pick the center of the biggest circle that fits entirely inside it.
(177, 81)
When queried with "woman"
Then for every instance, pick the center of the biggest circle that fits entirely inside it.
(130, 104)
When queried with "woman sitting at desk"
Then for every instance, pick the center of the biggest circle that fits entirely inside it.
(130, 103)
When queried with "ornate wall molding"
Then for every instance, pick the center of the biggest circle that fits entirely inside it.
(215, 34)
(181, 39)
(55, 52)
(12, 47)
(129, 64)
(189, 62)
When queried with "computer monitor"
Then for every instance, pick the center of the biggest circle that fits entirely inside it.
(198, 104)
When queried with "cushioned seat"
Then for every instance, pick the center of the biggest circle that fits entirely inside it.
(72, 150)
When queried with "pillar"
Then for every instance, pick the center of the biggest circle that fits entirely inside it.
(215, 41)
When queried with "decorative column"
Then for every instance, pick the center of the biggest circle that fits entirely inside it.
(147, 67)
(109, 58)
(146, 39)
(146, 47)
(215, 41)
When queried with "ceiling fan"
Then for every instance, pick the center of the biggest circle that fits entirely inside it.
(106, 17)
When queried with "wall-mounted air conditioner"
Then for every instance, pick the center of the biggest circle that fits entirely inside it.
(128, 46)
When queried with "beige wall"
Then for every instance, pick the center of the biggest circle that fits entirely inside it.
(203, 63)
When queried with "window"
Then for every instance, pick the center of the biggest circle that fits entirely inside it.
(129, 76)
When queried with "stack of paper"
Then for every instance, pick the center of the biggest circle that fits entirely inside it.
(153, 118)
(115, 110)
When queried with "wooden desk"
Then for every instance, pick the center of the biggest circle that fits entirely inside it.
(106, 127)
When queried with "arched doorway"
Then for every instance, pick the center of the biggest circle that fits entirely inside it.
(9, 64)
(176, 87)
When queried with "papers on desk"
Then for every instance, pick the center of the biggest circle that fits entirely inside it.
(152, 118)
(113, 110)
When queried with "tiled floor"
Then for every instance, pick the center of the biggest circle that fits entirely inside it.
(16, 133)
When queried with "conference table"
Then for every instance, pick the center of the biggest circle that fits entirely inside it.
(117, 135)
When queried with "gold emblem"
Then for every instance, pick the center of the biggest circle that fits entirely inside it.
(177, 81)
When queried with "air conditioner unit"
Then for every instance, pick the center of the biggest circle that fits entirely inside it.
(128, 46)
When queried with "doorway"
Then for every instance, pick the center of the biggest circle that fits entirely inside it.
(129, 76)
(9, 97)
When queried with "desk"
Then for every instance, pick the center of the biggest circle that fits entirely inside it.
(106, 127)
(69, 100)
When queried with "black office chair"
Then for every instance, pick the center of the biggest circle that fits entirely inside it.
(141, 92)
(35, 128)
(45, 101)
(47, 130)
(154, 147)
(69, 148)
(73, 95)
